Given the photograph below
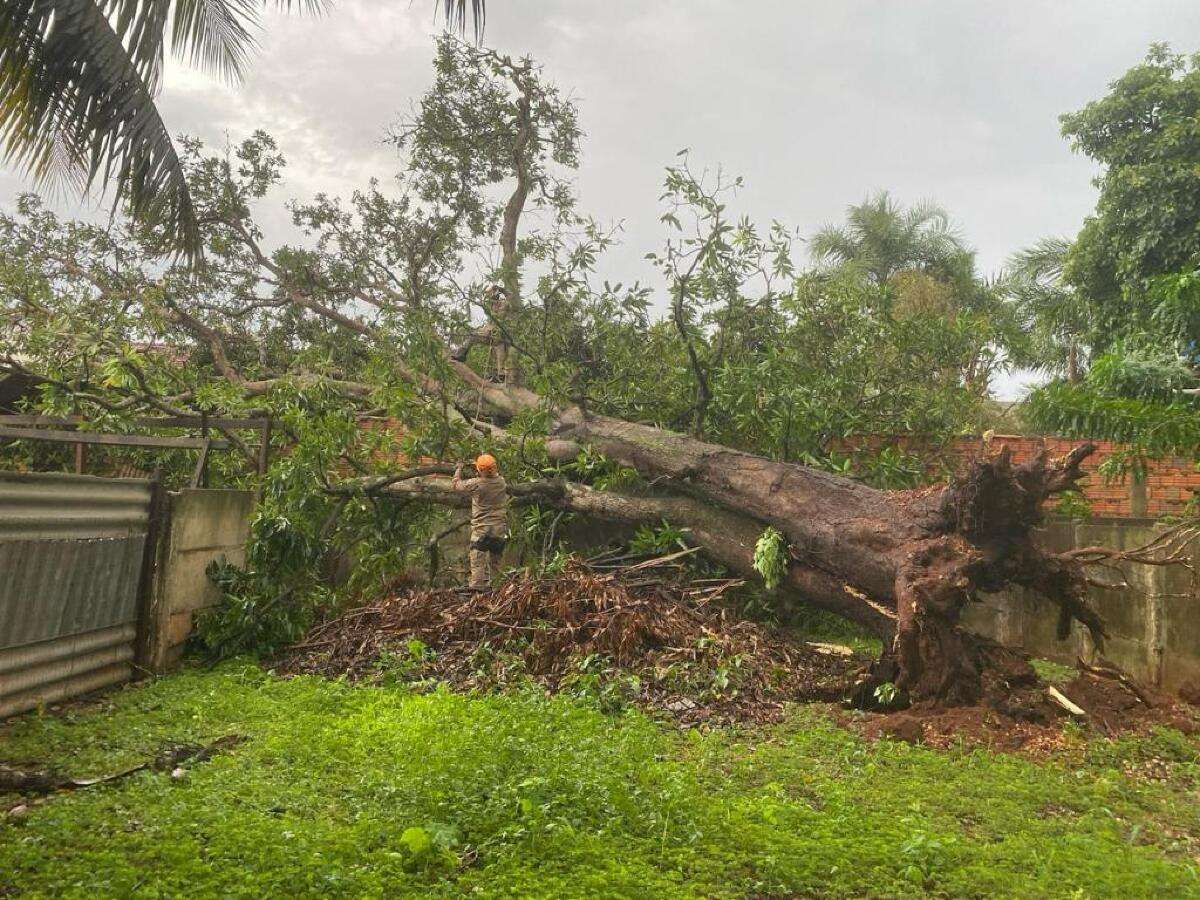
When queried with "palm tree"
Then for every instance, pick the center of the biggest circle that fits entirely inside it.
(78, 80)
(1054, 317)
(882, 239)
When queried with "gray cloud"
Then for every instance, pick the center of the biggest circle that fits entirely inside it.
(815, 103)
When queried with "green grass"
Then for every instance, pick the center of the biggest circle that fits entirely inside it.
(1052, 672)
(377, 792)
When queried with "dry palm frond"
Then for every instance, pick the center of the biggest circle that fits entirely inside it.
(456, 12)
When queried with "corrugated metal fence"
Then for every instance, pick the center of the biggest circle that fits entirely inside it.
(72, 554)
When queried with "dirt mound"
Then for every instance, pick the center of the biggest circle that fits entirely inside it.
(629, 635)
(1108, 702)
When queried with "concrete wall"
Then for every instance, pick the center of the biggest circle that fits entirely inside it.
(203, 525)
(1154, 625)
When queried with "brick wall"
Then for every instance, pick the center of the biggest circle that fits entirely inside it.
(1169, 484)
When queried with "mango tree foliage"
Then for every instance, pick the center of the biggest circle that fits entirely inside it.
(1139, 391)
(1116, 313)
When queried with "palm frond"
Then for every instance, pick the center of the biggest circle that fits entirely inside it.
(883, 238)
(456, 12)
(832, 244)
(70, 89)
(77, 86)
(140, 26)
(928, 215)
(216, 35)
(1043, 262)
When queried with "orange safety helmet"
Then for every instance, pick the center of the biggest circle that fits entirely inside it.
(486, 463)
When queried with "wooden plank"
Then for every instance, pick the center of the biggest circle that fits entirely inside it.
(140, 421)
(116, 440)
(264, 448)
(200, 476)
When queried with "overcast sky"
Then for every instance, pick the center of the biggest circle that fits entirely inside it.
(815, 103)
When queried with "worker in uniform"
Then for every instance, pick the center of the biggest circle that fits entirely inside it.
(489, 517)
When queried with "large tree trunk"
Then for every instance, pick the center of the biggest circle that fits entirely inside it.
(918, 555)
(726, 537)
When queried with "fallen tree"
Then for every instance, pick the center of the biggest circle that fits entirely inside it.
(904, 564)
(365, 319)
(921, 556)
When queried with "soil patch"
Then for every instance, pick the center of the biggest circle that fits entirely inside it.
(630, 635)
(1030, 722)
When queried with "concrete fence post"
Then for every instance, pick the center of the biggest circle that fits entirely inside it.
(203, 525)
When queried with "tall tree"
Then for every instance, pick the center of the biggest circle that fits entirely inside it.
(1146, 135)
(1125, 292)
(883, 238)
(921, 259)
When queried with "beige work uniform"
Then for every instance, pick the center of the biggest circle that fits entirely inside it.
(489, 518)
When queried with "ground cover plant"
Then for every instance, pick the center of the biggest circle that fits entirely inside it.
(345, 790)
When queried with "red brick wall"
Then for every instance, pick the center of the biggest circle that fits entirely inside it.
(1168, 486)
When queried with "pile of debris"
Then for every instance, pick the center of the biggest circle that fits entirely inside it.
(628, 631)
(633, 630)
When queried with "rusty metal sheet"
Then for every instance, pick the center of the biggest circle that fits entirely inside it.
(14, 659)
(58, 669)
(72, 686)
(34, 677)
(55, 505)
